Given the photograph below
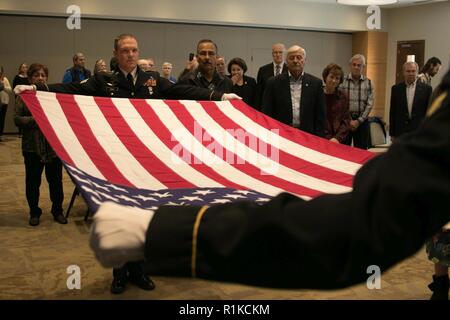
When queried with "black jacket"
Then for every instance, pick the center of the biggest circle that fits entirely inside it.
(277, 103)
(328, 242)
(218, 83)
(149, 85)
(247, 91)
(265, 73)
(399, 120)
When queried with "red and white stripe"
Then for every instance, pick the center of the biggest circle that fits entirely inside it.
(138, 143)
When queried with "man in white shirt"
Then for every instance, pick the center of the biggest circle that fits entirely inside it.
(296, 98)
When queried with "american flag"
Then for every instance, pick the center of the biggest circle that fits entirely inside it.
(96, 191)
(147, 153)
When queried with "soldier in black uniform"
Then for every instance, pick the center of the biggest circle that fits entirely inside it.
(399, 199)
(206, 75)
(128, 81)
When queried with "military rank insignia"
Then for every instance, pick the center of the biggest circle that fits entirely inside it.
(150, 83)
(111, 83)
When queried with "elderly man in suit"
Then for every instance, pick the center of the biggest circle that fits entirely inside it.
(276, 67)
(296, 98)
(409, 102)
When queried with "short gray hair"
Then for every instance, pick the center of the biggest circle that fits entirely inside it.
(295, 48)
(410, 62)
(359, 57)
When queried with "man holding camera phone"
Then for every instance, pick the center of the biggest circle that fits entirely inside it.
(206, 75)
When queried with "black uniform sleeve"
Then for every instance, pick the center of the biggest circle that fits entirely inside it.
(186, 91)
(399, 199)
(90, 87)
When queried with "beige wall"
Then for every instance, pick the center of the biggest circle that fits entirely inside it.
(373, 45)
(427, 22)
(290, 14)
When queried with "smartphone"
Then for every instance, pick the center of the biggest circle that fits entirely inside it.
(191, 56)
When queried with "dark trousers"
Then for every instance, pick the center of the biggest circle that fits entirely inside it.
(129, 270)
(3, 109)
(33, 173)
(361, 137)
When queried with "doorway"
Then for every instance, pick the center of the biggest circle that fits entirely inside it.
(414, 48)
(259, 57)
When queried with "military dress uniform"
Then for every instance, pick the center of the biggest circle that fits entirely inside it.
(146, 85)
(399, 199)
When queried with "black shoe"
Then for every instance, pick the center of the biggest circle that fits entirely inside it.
(118, 285)
(57, 209)
(60, 219)
(144, 282)
(34, 221)
(440, 287)
(35, 214)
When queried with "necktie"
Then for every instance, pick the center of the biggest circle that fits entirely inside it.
(130, 80)
(277, 69)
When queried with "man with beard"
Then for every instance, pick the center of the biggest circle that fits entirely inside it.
(429, 70)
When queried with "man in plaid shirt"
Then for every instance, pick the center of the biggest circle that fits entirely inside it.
(360, 94)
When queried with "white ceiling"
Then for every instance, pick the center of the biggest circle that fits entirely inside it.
(401, 3)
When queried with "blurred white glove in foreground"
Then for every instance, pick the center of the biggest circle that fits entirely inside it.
(118, 234)
(230, 96)
(22, 87)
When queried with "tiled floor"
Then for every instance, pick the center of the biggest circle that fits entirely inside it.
(34, 260)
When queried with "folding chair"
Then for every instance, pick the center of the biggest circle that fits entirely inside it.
(377, 133)
(72, 200)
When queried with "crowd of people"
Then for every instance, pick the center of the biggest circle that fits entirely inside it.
(336, 107)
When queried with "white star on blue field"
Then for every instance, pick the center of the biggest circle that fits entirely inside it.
(96, 191)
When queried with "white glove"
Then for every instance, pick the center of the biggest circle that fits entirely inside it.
(22, 87)
(118, 234)
(230, 96)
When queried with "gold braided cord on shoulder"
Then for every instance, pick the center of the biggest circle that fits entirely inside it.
(200, 214)
(436, 104)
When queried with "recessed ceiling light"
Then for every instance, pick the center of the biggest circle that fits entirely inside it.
(366, 2)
